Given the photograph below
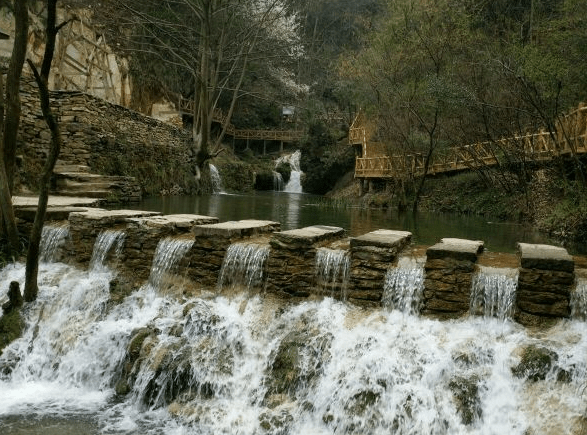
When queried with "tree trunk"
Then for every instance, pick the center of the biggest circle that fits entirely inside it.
(32, 261)
(12, 119)
(9, 120)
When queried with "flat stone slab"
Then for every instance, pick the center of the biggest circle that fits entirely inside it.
(459, 249)
(111, 216)
(545, 257)
(236, 229)
(174, 220)
(55, 213)
(383, 239)
(308, 236)
(55, 201)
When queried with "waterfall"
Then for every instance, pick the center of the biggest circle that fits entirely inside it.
(168, 253)
(243, 265)
(294, 185)
(579, 300)
(216, 180)
(494, 292)
(244, 364)
(404, 286)
(105, 243)
(277, 181)
(332, 270)
(53, 238)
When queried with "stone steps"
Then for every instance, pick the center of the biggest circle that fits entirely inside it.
(77, 180)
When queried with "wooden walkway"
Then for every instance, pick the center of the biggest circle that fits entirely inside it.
(187, 107)
(570, 139)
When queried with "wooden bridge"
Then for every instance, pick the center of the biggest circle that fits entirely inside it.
(570, 138)
(187, 107)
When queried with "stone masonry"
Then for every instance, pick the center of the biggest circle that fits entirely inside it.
(371, 256)
(213, 240)
(545, 282)
(292, 262)
(449, 269)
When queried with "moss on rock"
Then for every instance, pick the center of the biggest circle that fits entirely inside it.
(465, 391)
(11, 327)
(535, 364)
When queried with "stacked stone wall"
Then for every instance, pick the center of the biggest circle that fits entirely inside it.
(108, 138)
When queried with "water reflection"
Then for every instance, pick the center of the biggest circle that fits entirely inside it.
(300, 210)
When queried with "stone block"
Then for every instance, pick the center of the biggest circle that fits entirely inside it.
(236, 229)
(545, 257)
(388, 239)
(305, 237)
(458, 249)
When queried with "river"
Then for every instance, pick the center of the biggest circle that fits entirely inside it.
(295, 210)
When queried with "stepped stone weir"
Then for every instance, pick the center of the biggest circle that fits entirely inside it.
(84, 228)
(144, 234)
(212, 242)
(291, 264)
(545, 282)
(371, 256)
(449, 270)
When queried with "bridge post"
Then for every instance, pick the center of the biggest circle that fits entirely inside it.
(281, 147)
(264, 147)
(361, 188)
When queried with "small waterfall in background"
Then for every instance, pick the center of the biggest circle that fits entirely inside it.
(332, 270)
(168, 253)
(404, 286)
(243, 265)
(217, 187)
(579, 300)
(494, 292)
(52, 239)
(294, 185)
(278, 185)
(106, 242)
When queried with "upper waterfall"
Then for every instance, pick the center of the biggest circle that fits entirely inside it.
(294, 185)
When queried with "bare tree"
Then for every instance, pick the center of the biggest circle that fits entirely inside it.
(9, 121)
(42, 78)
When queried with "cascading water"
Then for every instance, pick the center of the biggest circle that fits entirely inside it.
(106, 242)
(217, 187)
(404, 286)
(579, 300)
(294, 184)
(53, 238)
(494, 292)
(243, 266)
(168, 253)
(277, 181)
(332, 270)
(154, 364)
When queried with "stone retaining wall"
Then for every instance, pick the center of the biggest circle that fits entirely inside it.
(545, 283)
(110, 139)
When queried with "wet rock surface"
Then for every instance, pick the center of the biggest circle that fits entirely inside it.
(449, 271)
(371, 256)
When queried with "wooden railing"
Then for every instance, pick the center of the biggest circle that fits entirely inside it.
(187, 107)
(570, 139)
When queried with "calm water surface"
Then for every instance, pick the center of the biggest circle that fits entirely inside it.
(301, 210)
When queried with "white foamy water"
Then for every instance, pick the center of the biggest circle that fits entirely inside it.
(278, 184)
(168, 253)
(107, 242)
(404, 286)
(579, 300)
(217, 187)
(243, 266)
(294, 184)
(53, 238)
(332, 270)
(255, 365)
(494, 292)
